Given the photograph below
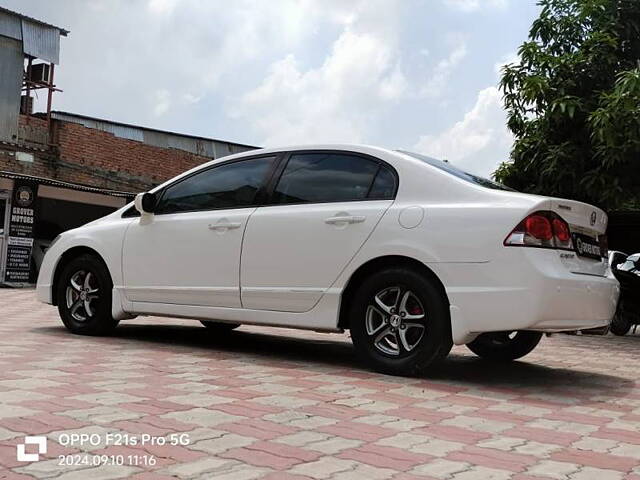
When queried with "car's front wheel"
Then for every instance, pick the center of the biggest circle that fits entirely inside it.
(504, 346)
(399, 322)
(84, 296)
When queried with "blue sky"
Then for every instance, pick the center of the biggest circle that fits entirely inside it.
(411, 74)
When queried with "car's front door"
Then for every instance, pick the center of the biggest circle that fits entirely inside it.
(188, 251)
(322, 209)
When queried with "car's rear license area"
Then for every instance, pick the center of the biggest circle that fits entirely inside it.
(587, 225)
(577, 231)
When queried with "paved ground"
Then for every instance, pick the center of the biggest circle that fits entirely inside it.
(281, 404)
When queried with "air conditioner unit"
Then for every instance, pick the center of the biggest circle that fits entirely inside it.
(40, 73)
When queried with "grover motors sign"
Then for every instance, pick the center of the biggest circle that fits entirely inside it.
(21, 232)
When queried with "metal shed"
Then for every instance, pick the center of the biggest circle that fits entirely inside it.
(21, 36)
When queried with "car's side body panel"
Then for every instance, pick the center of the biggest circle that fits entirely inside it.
(291, 255)
(103, 236)
(453, 227)
(188, 258)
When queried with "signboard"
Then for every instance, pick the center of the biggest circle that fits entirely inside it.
(21, 232)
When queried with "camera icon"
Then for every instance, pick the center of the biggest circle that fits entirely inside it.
(21, 449)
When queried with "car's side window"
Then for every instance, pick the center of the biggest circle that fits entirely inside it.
(231, 185)
(328, 177)
(384, 185)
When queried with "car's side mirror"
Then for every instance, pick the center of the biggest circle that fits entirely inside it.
(145, 203)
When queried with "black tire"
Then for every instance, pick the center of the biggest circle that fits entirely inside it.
(620, 325)
(219, 326)
(504, 346)
(98, 319)
(377, 335)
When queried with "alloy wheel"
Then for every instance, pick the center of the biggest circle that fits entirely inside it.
(81, 295)
(395, 321)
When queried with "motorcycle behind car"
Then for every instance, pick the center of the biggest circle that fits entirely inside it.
(626, 269)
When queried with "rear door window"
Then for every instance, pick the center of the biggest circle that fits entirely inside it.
(332, 177)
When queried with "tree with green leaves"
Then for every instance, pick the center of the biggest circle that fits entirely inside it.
(573, 104)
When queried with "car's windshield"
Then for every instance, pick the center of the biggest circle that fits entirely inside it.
(469, 177)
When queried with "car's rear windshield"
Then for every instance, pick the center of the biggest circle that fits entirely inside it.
(456, 172)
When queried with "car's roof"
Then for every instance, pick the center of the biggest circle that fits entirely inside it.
(348, 147)
(359, 148)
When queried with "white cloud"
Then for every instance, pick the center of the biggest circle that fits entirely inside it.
(336, 101)
(473, 5)
(184, 49)
(277, 71)
(436, 84)
(162, 6)
(162, 101)
(478, 142)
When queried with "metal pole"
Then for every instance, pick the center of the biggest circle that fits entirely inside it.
(28, 113)
(49, 99)
(50, 95)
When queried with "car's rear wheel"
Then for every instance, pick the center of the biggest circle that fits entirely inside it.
(219, 326)
(399, 322)
(84, 297)
(620, 325)
(504, 346)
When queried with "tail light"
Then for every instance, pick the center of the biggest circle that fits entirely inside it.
(541, 229)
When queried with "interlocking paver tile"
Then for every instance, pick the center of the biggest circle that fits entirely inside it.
(197, 468)
(333, 445)
(296, 405)
(222, 443)
(365, 472)
(441, 468)
(325, 467)
(202, 417)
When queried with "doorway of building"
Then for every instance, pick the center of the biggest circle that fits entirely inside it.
(4, 229)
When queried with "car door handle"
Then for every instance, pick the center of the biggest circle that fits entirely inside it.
(224, 226)
(345, 219)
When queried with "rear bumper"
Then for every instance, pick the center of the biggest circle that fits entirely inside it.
(534, 291)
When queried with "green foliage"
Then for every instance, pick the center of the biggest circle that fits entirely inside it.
(573, 104)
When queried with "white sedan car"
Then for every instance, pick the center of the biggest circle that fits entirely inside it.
(407, 252)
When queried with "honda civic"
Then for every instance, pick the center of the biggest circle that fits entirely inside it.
(408, 253)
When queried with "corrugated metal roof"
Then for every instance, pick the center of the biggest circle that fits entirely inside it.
(10, 25)
(69, 185)
(121, 131)
(62, 31)
(11, 64)
(41, 41)
(207, 147)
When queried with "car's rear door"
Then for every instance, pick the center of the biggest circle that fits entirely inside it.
(188, 251)
(323, 206)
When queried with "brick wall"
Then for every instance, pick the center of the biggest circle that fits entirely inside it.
(32, 137)
(113, 162)
(33, 131)
(93, 157)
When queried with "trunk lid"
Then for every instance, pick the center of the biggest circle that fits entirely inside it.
(588, 225)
